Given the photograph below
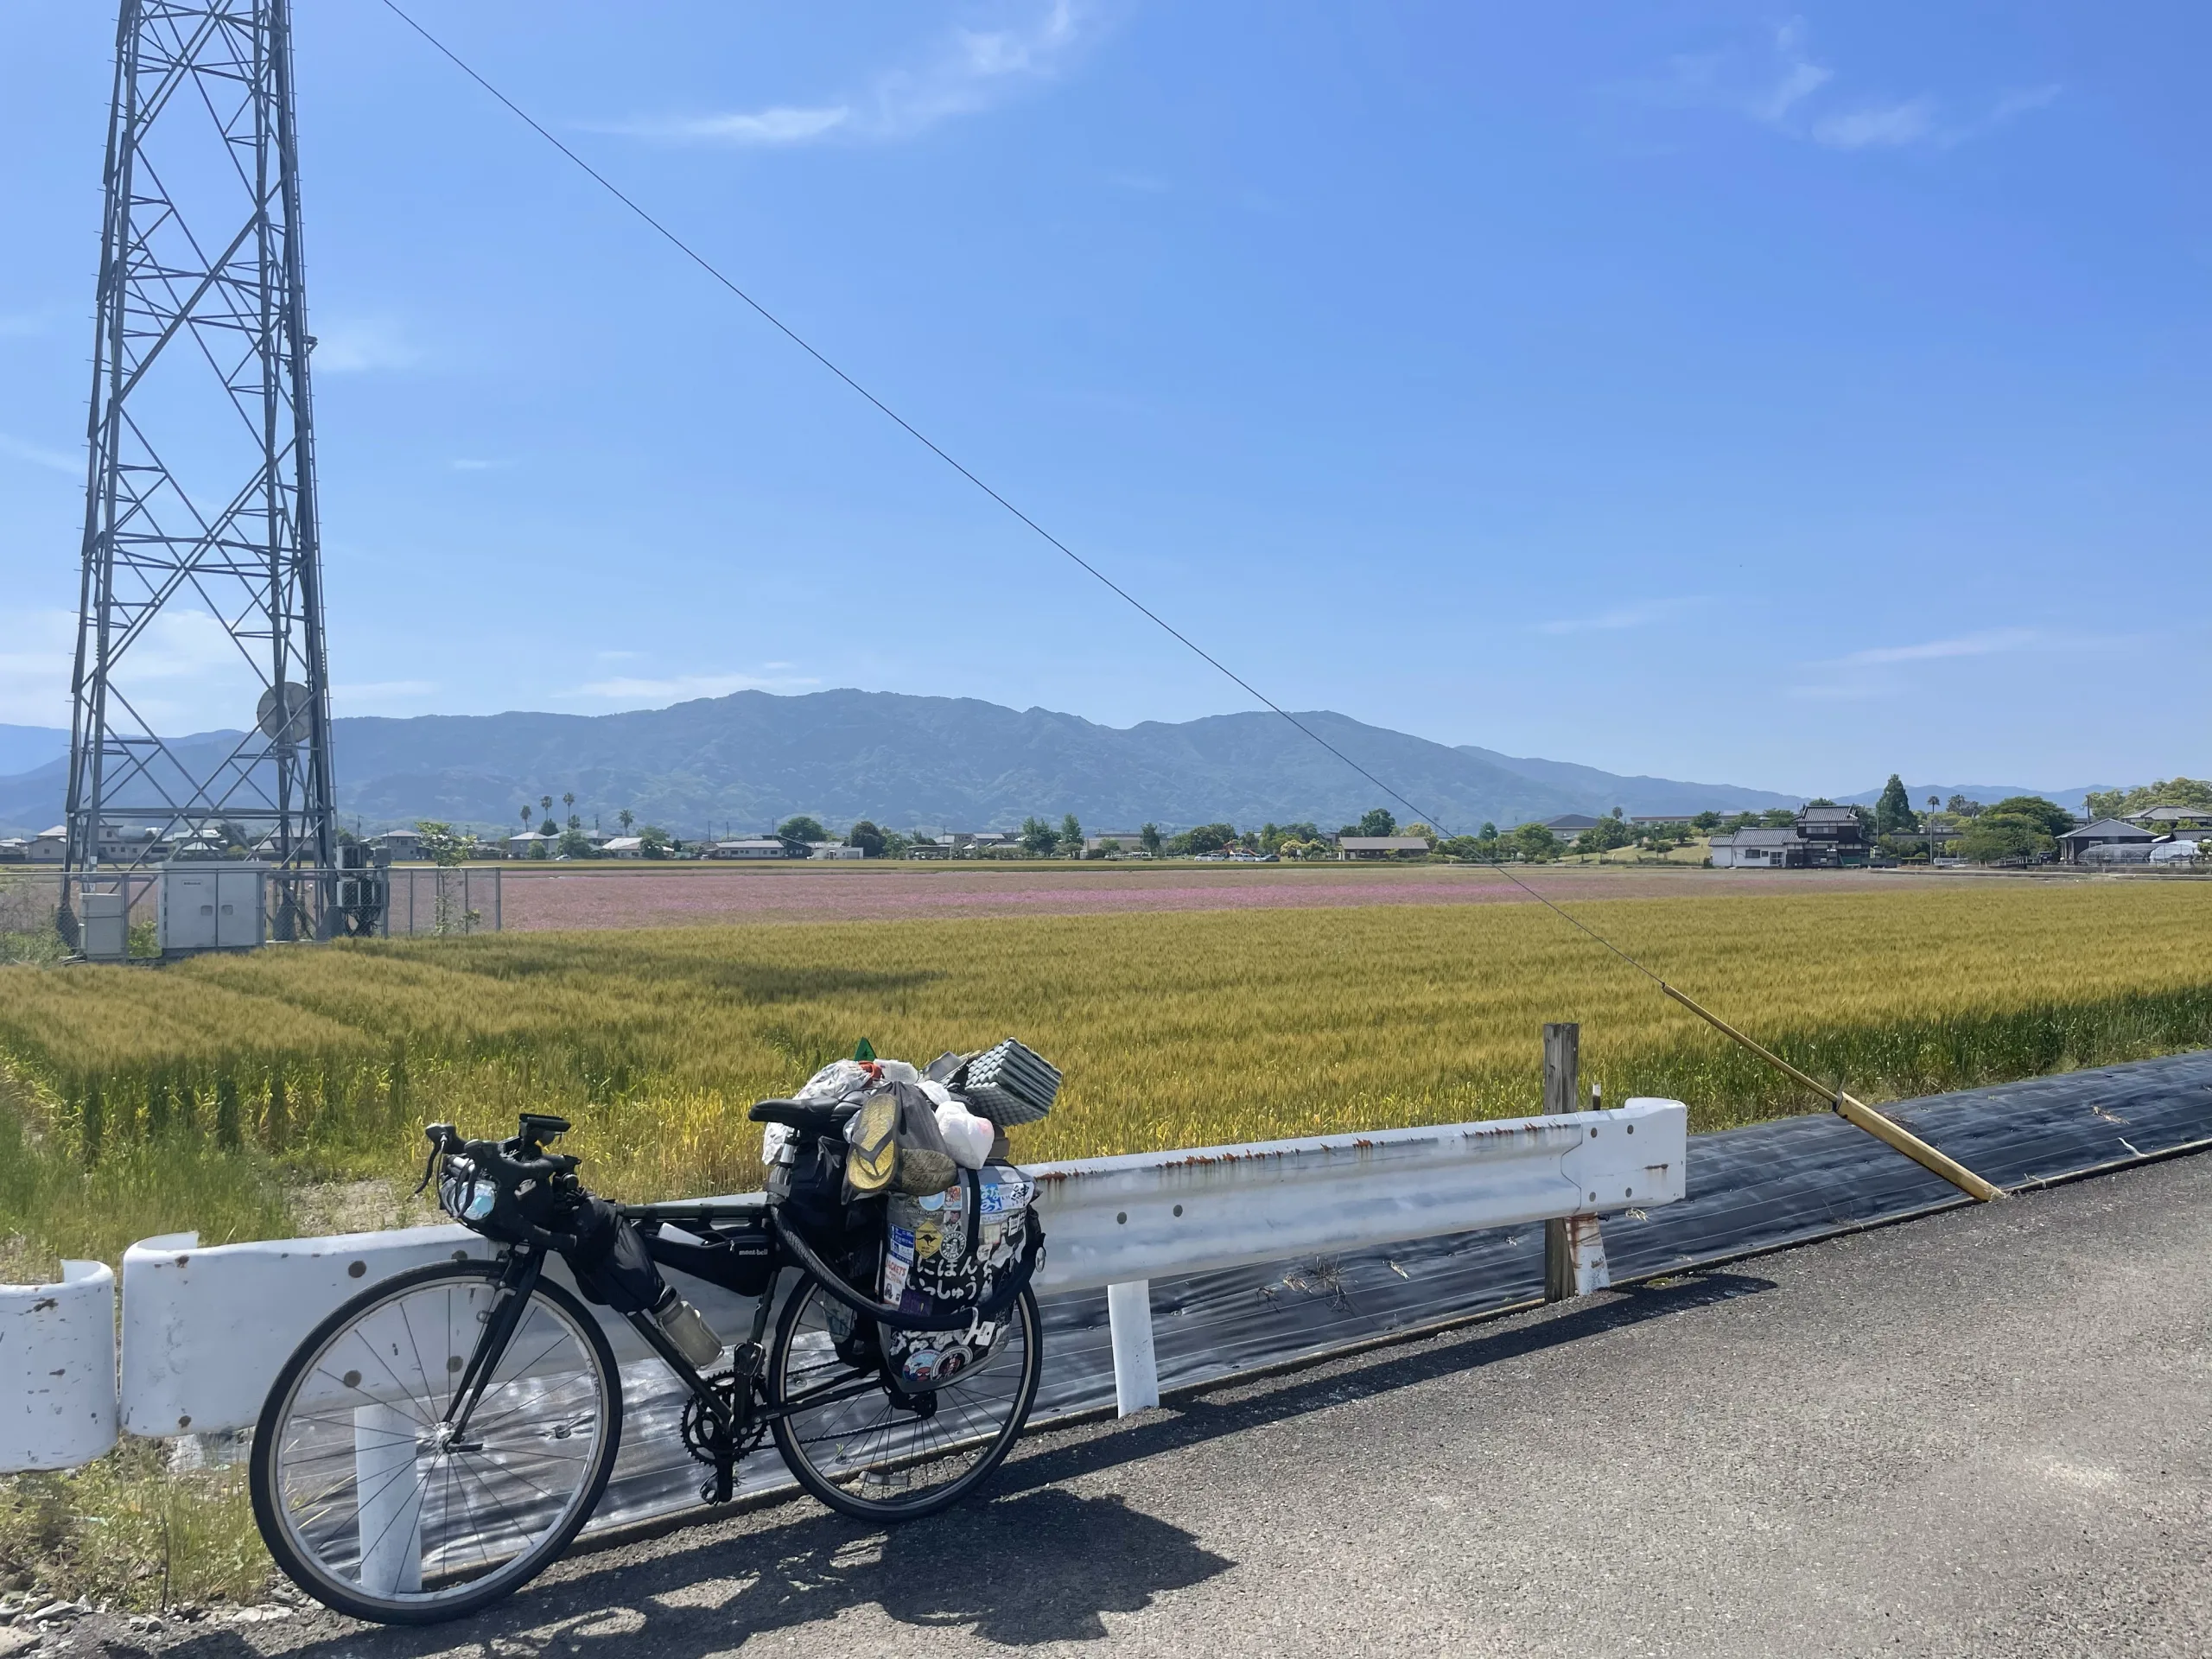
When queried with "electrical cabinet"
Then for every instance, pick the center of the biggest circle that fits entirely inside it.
(107, 919)
(214, 907)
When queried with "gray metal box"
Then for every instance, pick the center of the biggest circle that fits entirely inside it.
(214, 907)
(107, 926)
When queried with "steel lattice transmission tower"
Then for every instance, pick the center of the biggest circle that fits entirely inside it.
(201, 554)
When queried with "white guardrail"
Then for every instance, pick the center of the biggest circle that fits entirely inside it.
(206, 1330)
(57, 1369)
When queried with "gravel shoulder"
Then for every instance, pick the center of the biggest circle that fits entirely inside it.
(1985, 1431)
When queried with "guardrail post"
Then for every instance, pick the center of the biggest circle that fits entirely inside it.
(1562, 1060)
(1136, 1376)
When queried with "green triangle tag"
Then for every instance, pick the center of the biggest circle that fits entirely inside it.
(864, 1051)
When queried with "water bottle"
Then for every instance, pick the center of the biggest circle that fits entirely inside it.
(693, 1337)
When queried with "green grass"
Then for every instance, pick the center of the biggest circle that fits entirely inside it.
(127, 1532)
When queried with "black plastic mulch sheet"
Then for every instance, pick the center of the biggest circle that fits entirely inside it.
(1758, 1188)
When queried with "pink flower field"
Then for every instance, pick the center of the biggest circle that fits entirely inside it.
(695, 896)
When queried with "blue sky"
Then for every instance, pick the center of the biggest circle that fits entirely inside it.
(1779, 395)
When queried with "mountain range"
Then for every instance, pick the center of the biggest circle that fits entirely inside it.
(743, 762)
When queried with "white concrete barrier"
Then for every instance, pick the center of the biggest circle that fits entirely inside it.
(206, 1330)
(57, 1370)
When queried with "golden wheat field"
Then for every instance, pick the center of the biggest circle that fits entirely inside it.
(192, 1096)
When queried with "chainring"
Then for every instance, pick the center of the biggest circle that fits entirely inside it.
(702, 1433)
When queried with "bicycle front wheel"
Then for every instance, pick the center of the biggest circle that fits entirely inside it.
(865, 1448)
(368, 1499)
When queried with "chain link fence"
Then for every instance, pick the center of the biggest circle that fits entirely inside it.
(300, 905)
(441, 902)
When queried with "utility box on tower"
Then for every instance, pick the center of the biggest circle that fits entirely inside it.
(214, 907)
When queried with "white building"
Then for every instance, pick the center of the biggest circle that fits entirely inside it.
(1132, 841)
(1757, 850)
(749, 847)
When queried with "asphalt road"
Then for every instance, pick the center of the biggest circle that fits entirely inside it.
(1985, 1433)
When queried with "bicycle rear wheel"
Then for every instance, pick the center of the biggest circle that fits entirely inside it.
(366, 1499)
(863, 1447)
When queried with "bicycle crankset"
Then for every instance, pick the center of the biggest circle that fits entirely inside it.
(709, 1442)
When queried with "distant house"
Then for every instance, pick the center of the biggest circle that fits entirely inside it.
(835, 849)
(1758, 850)
(1379, 846)
(2163, 820)
(400, 846)
(50, 846)
(15, 850)
(749, 847)
(1833, 836)
(625, 846)
(929, 847)
(2106, 840)
(1132, 841)
(1568, 825)
(524, 845)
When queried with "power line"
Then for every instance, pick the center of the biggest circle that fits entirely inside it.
(923, 438)
(1866, 1119)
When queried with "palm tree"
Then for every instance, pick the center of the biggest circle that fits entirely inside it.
(625, 818)
(525, 820)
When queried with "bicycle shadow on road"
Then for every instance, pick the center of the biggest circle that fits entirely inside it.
(1031, 1564)
(1031, 1568)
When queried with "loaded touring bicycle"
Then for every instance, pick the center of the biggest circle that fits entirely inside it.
(440, 1438)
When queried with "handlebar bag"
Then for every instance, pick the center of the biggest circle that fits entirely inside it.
(609, 1261)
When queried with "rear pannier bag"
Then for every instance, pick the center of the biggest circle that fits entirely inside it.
(946, 1250)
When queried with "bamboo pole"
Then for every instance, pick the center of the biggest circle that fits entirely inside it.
(1855, 1112)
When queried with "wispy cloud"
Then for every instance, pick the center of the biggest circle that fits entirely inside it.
(1620, 616)
(781, 125)
(1855, 676)
(965, 70)
(1877, 126)
(34, 666)
(363, 344)
(681, 688)
(23, 325)
(377, 690)
(1984, 644)
(37, 454)
(1795, 77)
(471, 464)
(1779, 84)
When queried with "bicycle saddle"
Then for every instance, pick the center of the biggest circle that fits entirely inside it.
(797, 1113)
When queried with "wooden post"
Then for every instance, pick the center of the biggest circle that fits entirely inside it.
(1562, 1058)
